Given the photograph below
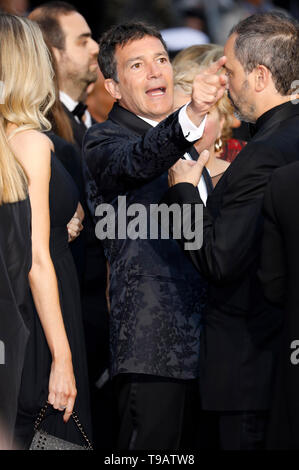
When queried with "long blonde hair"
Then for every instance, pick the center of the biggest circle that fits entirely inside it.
(26, 95)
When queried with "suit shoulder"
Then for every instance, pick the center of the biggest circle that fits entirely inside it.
(286, 174)
(275, 149)
(105, 128)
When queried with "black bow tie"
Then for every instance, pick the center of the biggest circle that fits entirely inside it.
(79, 110)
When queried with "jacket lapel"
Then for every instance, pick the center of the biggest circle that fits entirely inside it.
(125, 118)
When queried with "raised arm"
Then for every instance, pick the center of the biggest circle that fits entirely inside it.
(118, 160)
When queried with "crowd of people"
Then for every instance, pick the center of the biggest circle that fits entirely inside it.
(150, 341)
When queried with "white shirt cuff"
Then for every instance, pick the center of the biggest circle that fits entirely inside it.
(191, 131)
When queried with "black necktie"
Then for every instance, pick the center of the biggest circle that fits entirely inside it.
(206, 175)
(79, 110)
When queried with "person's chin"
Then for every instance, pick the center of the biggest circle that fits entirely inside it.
(243, 116)
(161, 107)
(92, 73)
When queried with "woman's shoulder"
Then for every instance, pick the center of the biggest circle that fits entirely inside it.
(33, 150)
(30, 146)
(31, 138)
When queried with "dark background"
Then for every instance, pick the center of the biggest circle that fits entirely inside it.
(100, 14)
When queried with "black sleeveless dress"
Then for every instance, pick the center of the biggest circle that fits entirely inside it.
(15, 263)
(63, 201)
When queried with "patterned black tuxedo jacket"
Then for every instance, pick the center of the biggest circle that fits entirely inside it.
(156, 294)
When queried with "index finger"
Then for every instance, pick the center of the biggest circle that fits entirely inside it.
(215, 66)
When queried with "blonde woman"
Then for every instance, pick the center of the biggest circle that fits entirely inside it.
(55, 352)
(220, 121)
(15, 263)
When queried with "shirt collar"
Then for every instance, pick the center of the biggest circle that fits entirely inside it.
(68, 102)
(149, 121)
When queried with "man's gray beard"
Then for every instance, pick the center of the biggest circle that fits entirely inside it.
(238, 114)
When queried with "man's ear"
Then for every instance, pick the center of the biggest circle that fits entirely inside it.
(262, 77)
(57, 54)
(113, 88)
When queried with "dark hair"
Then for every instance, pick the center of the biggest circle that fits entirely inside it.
(120, 35)
(47, 17)
(272, 40)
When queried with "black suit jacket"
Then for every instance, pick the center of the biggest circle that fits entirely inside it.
(280, 277)
(241, 329)
(156, 294)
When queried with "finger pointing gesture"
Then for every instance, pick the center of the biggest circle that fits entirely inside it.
(208, 88)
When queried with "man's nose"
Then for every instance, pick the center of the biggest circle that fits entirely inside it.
(94, 47)
(154, 70)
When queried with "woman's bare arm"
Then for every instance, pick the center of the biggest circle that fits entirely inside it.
(33, 151)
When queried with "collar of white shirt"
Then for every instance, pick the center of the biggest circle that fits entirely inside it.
(202, 188)
(70, 104)
(149, 121)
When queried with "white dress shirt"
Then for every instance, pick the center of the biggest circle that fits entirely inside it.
(191, 133)
(70, 104)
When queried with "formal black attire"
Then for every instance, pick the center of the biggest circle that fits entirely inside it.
(70, 157)
(63, 200)
(280, 274)
(91, 264)
(241, 331)
(78, 126)
(156, 295)
(15, 263)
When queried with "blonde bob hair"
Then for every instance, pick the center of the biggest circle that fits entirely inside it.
(189, 63)
(26, 95)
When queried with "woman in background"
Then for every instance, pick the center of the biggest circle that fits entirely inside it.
(55, 352)
(221, 120)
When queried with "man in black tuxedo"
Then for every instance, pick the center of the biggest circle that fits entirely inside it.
(241, 330)
(75, 52)
(156, 295)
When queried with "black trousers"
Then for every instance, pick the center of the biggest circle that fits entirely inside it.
(235, 430)
(156, 412)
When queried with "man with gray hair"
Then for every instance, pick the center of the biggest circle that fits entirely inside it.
(242, 330)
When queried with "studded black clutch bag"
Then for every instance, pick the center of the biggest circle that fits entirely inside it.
(45, 441)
